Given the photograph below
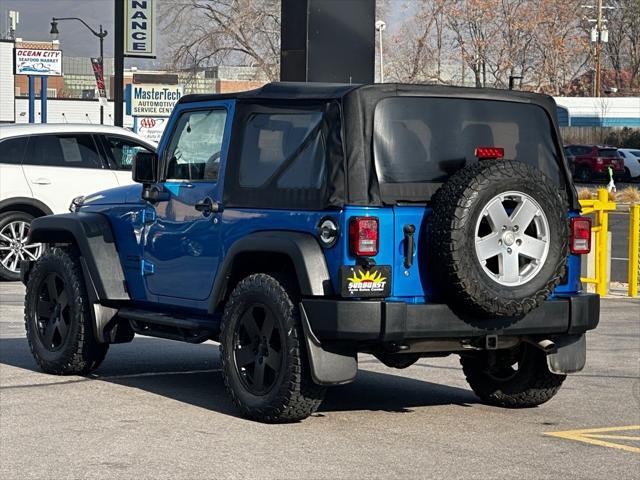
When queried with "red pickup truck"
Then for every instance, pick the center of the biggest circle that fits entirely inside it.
(591, 162)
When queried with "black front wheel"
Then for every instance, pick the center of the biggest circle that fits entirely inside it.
(264, 361)
(57, 318)
(515, 378)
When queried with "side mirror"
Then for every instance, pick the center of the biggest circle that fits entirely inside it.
(145, 168)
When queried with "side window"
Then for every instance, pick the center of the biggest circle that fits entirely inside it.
(122, 151)
(282, 146)
(12, 150)
(77, 151)
(195, 148)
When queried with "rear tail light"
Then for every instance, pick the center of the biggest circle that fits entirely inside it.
(599, 161)
(580, 235)
(489, 153)
(363, 236)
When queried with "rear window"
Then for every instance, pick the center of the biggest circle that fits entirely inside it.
(421, 140)
(607, 152)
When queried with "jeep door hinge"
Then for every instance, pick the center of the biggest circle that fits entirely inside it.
(148, 215)
(146, 267)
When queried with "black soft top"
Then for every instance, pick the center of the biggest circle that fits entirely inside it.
(353, 179)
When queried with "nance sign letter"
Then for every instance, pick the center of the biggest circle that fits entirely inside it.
(154, 100)
(29, 61)
(139, 28)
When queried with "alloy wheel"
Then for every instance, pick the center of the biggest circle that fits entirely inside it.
(14, 246)
(52, 311)
(512, 238)
(258, 349)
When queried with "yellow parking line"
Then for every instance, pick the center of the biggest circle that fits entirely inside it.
(612, 437)
(592, 436)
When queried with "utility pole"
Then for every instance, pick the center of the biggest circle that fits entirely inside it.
(599, 35)
(118, 56)
(598, 88)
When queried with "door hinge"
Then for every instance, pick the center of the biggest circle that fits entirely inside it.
(146, 267)
(148, 215)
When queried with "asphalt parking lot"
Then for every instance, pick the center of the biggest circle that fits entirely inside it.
(157, 409)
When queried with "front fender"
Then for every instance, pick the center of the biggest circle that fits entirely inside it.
(92, 234)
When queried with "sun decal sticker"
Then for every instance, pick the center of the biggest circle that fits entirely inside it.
(359, 282)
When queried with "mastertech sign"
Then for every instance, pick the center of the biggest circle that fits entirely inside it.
(29, 61)
(152, 100)
(139, 38)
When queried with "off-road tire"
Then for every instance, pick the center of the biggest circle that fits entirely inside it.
(79, 352)
(457, 274)
(294, 396)
(532, 385)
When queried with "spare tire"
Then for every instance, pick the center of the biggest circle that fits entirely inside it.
(497, 239)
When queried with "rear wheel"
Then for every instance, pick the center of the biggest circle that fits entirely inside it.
(57, 318)
(264, 362)
(515, 378)
(14, 246)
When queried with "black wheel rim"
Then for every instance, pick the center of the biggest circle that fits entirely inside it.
(257, 349)
(52, 312)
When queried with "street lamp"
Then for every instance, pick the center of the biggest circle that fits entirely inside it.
(100, 34)
(380, 27)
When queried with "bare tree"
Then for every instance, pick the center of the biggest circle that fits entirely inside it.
(213, 32)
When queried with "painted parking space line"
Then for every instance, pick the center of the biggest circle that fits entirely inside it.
(603, 437)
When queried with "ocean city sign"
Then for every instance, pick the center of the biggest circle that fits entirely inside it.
(139, 34)
(152, 100)
(29, 61)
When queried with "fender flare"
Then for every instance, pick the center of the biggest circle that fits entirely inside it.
(91, 233)
(303, 250)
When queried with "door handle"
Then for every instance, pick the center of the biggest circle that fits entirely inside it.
(41, 181)
(208, 206)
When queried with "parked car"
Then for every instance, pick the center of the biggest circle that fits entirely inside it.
(631, 158)
(294, 229)
(592, 162)
(44, 166)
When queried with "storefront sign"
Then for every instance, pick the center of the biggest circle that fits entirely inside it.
(139, 28)
(29, 61)
(152, 100)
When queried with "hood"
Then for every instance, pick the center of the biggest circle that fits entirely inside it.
(115, 196)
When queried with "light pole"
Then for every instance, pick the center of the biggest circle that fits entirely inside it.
(100, 34)
(380, 27)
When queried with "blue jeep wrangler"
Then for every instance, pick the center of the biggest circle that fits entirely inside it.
(300, 224)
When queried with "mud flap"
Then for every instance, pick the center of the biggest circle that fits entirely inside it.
(328, 367)
(570, 354)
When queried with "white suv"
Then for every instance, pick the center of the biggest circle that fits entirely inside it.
(43, 167)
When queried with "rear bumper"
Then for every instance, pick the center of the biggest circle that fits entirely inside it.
(371, 321)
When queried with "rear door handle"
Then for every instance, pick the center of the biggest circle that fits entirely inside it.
(42, 181)
(409, 245)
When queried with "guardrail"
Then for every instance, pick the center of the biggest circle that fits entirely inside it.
(601, 207)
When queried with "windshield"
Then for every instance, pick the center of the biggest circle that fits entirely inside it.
(420, 140)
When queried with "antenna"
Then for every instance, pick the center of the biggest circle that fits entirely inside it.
(64, 117)
(88, 118)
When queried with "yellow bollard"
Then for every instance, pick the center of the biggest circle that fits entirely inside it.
(634, 245)
(602, 215)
